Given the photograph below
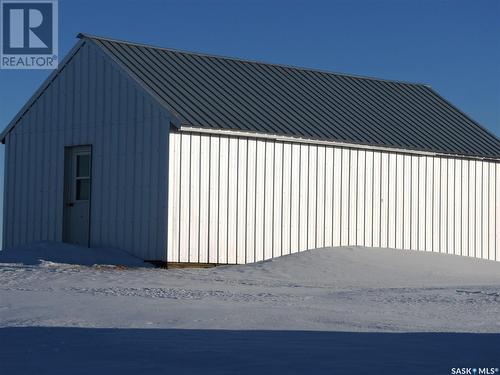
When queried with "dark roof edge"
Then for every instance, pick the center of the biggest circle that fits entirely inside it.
(487, 131)
(89, 36)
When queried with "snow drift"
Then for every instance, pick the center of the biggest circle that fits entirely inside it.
(358, 267)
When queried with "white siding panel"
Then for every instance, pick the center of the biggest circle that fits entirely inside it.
(479, 209)
(320, 197)
(458, 207)
(337, 196)
(295, 201)
(407, 195)
(414, 225)
(391, 228)
(352, 196)
(451, 207)
(377, 188)
(344, 197)
(204, 198)
(286, 199)
(399, 201)
(232, 212)
(429, 198)
(497, 211)
(369, 193)
(312, 191)
(421, 203)
(328, 193)
(260, 173)
(303, 197)
(485, 182)
(174, 190)
(270, 198)
(184, 219)
(360, 199)
(241, 219)
(491, 209)
(384, 200)
(251, 189)
(443, 227)
(194, 200)
(213, 233)
(223, 199)
(436, 205)
(277, 202)
(465, 208)
(473, 251)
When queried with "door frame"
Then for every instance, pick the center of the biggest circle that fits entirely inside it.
(69, 152)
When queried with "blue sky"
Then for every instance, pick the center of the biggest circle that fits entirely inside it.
(453, 45)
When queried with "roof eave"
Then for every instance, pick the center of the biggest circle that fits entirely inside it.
(331, 142)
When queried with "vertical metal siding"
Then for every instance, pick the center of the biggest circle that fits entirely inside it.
(497, 210)
(223, 190)
(204, 198)
(91, 102)
(277, 198)
(369, 194)
(286, 199)
(377, 188)
(320, 197)
(266, 198)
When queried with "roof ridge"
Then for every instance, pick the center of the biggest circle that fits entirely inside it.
(349, 75)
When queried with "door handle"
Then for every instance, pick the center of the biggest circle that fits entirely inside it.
(70, 204)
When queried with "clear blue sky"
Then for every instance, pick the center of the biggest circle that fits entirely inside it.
(453, 45)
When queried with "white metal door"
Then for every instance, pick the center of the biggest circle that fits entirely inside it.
(77, 195)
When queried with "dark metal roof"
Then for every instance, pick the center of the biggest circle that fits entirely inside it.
(226, 93)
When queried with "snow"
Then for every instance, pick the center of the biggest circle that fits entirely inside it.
(56, 252)
(331, 310)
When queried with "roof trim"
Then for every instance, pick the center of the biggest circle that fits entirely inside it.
(96, 37)
(367, 146)
(464, 114)
(44, 86)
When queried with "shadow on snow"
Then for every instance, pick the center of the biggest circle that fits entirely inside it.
(46, 350)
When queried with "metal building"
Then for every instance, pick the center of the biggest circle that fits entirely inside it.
(187, 157)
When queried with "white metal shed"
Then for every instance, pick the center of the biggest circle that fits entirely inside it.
(186, 157)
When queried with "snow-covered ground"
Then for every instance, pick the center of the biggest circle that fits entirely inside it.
(331, 310)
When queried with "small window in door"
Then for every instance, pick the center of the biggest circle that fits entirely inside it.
(83, 165)
(82, 177)
(82, 190)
